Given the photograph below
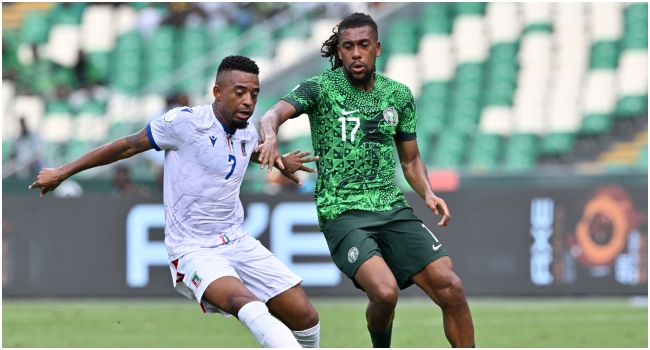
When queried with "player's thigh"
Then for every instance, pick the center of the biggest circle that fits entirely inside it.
(228, 294)
(376, 279)
(261, 271)
(438, 276)
(294, 309)
(210, 277)
(351, 240)
(408, 246)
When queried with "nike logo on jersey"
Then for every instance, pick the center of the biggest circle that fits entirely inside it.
(435, 247)
(348, 112)
(213, 139)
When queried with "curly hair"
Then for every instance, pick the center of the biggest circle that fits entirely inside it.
(355, 20)
(240, 63)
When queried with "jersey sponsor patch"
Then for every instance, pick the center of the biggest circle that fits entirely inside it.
(390, 116)
(170, 116)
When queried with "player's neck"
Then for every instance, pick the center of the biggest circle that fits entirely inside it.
(226, 126)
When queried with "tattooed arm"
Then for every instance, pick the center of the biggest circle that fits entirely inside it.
(49, 178)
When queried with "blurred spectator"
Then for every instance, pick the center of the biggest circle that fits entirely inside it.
(123, 185)
(26, 152)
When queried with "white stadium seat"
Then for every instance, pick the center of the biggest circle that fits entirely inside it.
(57, 128)
(436, 60)
(606, 20)
(469, 39)
(404, 69)
(503, 22)
(633, 72)
(496, 120)
(63, 45)
(599, 91)
(98, 28)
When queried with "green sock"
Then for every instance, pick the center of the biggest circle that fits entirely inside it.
(381, 340)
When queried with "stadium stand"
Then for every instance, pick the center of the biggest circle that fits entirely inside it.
(500, 87)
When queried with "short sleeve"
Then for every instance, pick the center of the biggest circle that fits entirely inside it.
(407, 119)
(171, 130)
(304, 97)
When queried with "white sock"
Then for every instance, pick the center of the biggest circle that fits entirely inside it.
(309, 338)
(268, 330)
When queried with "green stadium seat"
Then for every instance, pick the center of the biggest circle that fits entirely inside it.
(521, 152)
(121, 129)
(226, 36)
(469, 72)
(538, 27)
(604, 55)
(77, 148)
(484, 152)
(35, 28)
(57, 107)
(435, 18)
(67, 13)
(261, 45)
(403, 37)
(469, 8)
(632, 106)
(596, 124)
(449, 149)
(160, 55)
(98, 66)
(557, 143)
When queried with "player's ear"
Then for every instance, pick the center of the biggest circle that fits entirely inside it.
(216, 92)
(378, 48)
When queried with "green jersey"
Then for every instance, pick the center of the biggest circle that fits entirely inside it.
(352, 131)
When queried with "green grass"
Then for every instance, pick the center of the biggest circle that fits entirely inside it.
(499, 323)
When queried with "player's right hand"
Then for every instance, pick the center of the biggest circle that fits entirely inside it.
(47, 180)
(269, 155)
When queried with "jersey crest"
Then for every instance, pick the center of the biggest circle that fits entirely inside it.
(390, 116)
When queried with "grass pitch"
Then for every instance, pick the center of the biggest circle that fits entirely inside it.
(502, 323)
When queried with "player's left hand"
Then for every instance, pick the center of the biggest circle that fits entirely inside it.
(439, 207)
(294, 161)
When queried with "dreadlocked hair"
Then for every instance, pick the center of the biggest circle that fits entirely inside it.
(239, 63)
(355, 20)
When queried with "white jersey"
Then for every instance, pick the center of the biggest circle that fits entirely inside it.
(205, 162)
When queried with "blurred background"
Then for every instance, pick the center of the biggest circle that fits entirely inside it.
(532, 121)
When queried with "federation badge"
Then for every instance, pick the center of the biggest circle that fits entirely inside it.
(353, 254)
(170, 116)
(390, 116)
(196, 280)
(243, 148)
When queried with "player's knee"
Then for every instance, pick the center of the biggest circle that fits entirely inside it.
(452, 294)
(310, 319)
(384, 297)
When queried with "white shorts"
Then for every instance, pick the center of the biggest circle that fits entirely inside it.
(246, 259)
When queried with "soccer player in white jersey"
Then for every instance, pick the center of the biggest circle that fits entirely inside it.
(212, 258)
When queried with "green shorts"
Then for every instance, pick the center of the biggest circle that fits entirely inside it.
(398, 236)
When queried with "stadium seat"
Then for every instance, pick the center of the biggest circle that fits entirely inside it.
(484, 152)
(596, 124)
(557, 143)
(404, 69)
(160, 58)
(402, 37)
(435, 18)
(496, 120)
(469, 37)
(98, 31)
(98, 66)
(57, 128)
(449, 149)
(469, 8)
(521, 152)
(35, 28)
(63, 44)
(503, 22)
(437, 47)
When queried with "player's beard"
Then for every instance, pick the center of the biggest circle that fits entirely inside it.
(238, 123)
(365, 79)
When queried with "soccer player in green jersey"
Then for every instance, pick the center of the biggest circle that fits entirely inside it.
(372, 233)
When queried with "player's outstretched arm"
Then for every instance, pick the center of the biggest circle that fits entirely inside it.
(293, 162)
(269, 125)
(50, 178)
(415, 173)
